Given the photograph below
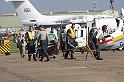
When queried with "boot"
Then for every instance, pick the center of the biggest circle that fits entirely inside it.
(34, 57)
(29, 57)
(47, 59)
(66, 55)
(41, 59)
(72, 57)
(99, 59)
(54, 57)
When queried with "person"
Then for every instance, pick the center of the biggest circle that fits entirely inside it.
(63, 43)
(37, 43)
(92, 40)
(43, 43)
(1, 38)
(71, 35)
(21, 44)
(52, 36)
(54, 43)
(99, 37)
(30, 39)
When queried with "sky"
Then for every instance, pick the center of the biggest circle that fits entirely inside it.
(65, 5)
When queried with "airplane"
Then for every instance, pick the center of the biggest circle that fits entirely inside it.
(30, 16)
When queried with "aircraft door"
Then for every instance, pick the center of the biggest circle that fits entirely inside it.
(81, 36)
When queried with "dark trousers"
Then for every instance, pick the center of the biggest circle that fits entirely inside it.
(96, 47)
(63, 45)
(43, 51)
(70, 51)
(70, 48)
(31, 50)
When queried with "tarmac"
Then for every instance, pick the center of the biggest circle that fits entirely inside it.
(16, 69)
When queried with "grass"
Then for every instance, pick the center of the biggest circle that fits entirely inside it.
(14, 48)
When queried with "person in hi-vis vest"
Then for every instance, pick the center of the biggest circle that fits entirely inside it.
(71, 35)
(30, 39)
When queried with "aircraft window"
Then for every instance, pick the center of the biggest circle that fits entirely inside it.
(33, 20)
(81, 33)
(80, 17)
(74, 18)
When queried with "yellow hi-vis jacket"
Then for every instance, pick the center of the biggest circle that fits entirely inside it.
(73, 33)
(31, 35)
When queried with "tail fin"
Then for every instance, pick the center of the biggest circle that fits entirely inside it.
(25, 9)
(122, 11)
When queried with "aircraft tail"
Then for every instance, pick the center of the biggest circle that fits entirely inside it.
(122, 11)
(25, 9)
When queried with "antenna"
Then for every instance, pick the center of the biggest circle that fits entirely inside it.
(111, 6)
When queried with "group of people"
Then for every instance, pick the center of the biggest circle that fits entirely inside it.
(47, 44)
(41, 44)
